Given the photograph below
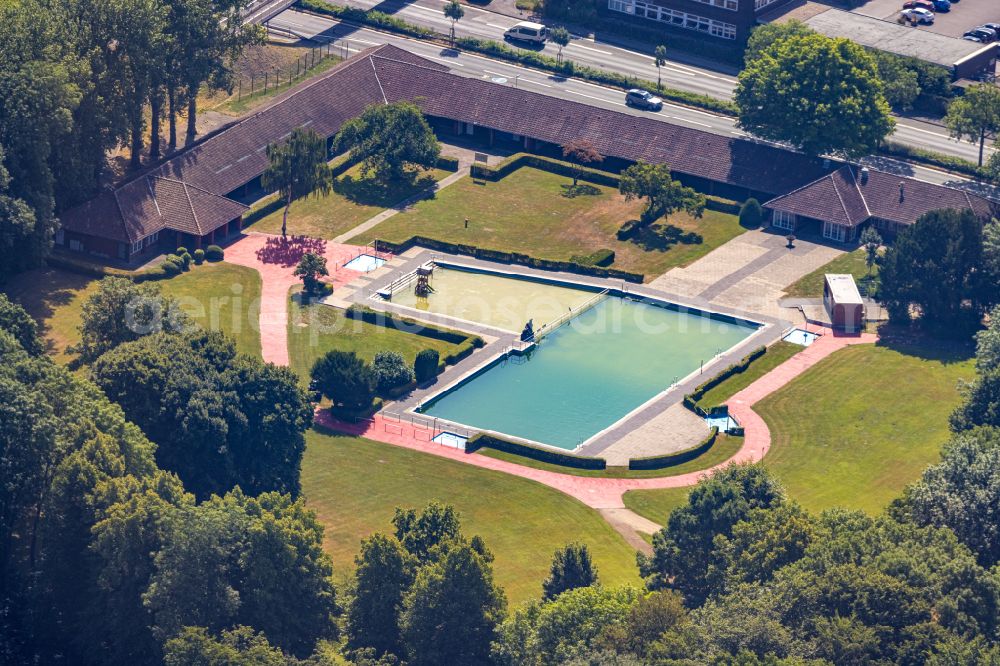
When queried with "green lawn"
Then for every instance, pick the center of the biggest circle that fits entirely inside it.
(208, 293)
(811, 285)
(776, 354)
(724, 449)
(221, 297)
(856, 428)
(530, 211)
(316, 329)
(352, 201)
(656, 505)
(354, 484)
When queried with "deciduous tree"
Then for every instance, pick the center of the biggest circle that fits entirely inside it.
(572, 567)
(454, 11)
(387, 138)
(383, 574)
(345, 379)
(582, 153)
(560, 37)
(310, 267)
(822, 95)
(297, 168)
(975, 115)
(660, 59)
(663, 194)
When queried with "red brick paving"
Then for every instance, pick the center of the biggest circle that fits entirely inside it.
(256, 251)
(602, 493)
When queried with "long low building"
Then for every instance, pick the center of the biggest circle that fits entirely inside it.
(195, 197)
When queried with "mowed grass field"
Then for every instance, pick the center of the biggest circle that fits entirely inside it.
(853, 263)
(534, 212)
(218, 296)
(354, 485)
(656, 504)
(856, 428)
(314, 330)
(776, 354)
(353, 200)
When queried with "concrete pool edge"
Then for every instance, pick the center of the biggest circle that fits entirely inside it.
(769, 330)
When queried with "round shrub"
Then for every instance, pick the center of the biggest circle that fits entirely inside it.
(186, 260)
(425, 366)
(199, 256)
(391, 370)
(214, 253)
(175, 260)
(169, 268)
(751, 214)
(181, 250)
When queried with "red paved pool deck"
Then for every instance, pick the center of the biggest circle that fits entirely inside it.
(601, 493)
(275, 270)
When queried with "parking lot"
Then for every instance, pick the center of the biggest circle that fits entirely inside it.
(964, 15)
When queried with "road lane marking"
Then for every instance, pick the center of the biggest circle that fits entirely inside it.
(688, 120)
(581, 46)
(444, 60)
(599, 99)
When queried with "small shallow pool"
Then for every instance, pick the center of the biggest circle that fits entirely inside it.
(800, 336)
(723, 421)
(365, 263)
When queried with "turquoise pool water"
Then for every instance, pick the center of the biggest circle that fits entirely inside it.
(365, 263)
(589, 373)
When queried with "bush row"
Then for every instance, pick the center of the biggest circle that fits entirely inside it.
(721, 205)
(482, 440)
(552, 165)
(691, 399)
(509, 258)
(956, 164)
(676, 458)
(447, 163)
(501, 51)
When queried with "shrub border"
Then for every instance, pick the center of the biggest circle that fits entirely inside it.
(691, 399)
(676, 458)
(484, 440)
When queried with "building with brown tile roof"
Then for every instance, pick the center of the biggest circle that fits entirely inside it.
(192, 199)
(843, 201)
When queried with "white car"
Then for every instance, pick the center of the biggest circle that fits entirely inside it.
(919, 14)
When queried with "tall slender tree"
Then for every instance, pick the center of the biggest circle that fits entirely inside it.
(297, 168)
(975, 115)
(660, 57)
(455, 12)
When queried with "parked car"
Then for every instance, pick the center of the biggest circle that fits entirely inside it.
(922, 4)
(919, 15)
(972, 38)
(995, 27)
(643, 99)
(941, 5)
(526, 31)
(984, 35)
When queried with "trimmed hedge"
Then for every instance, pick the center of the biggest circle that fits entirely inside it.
(447, 163)
(482, 440)
(509, 258)
(214, 253)
(956, 164)
(721, 205)
(550, 164)
(407, 325)
(691, 399)
(501, 51)
(199, 256)
(599, 258)
(676, 458)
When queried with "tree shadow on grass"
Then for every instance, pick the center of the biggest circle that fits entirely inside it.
(912, 341)
(660, 237)
(369, 192)
(42, 291)
(579, 190)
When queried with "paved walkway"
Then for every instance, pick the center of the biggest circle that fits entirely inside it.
(606, 493)
(275, 260)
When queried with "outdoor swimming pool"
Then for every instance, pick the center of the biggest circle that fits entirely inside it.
(800, 336)
(365, 263)
(491, 299)
(589, 373)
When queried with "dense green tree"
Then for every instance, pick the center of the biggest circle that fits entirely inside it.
(763, 542)
(560, 37)
(16, 321)
(962, 492)
(571, 624)
(572, 567)
(241, 646)
(425, 365)
(219, 419)
(452, 611)
(387, 139)
(659, 59)
(297, 168)
(391, 370)
(684, 552)
(311, 266)
(936, 264)
(871, 241)
(663, 194)
(975, 115)
(22, 245)
(820, 94)
(345, 379)
(900, 81)
(991, 248)
(764, 36)
(122, 311)
(420, 533)
(383, 574)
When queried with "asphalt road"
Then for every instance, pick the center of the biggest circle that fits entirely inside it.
(356, 39)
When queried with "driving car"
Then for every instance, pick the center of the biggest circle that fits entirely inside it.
(643, 99)
(919, 15)
(526, 31)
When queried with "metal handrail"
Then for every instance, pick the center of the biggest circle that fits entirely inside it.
(565, 317)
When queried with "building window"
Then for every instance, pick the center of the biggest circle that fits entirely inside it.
(60, 237)
(679, 18)
(136, 247)
(152, 238)
(724, 4)
(783, 220)
(835, 232)
(760, 4)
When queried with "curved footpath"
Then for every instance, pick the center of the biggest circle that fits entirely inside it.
(605, 493)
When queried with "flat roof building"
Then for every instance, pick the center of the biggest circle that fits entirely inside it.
(843, 302)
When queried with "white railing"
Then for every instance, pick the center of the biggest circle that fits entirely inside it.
(565, 317)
